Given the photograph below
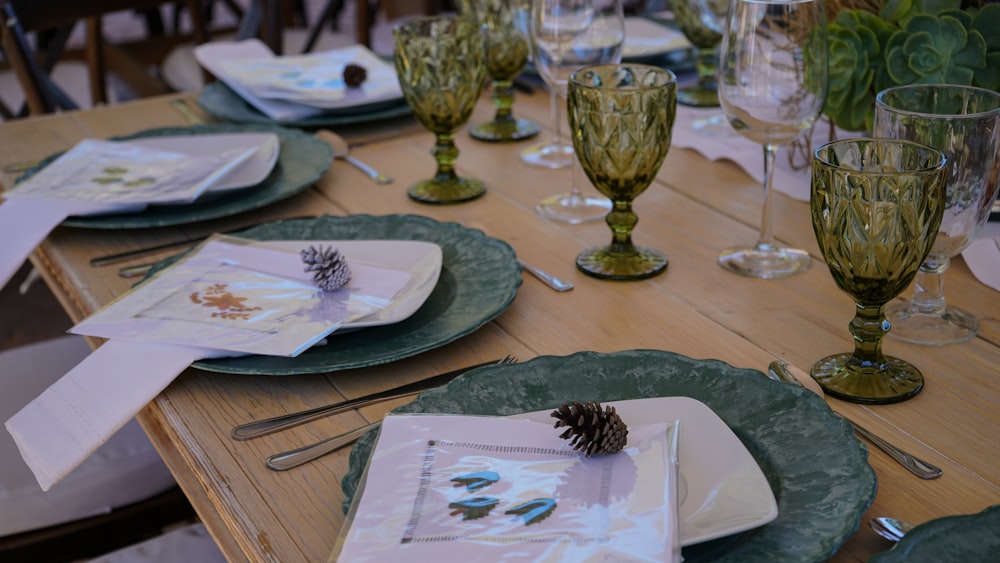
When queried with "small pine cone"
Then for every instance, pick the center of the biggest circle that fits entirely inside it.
(354, 75)
(593, 431)
(329, 267)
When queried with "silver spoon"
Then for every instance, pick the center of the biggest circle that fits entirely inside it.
(890, 528)
(546, 278)
(342, 151)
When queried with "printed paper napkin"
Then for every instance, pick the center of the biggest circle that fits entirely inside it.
(230, 297)
(472, 488)
(102, 177)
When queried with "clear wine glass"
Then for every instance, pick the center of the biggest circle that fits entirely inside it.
(772, 86)
(964, 123)
(568, 35)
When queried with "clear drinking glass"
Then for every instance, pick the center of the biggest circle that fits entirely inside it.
(506, 54)
(441, 63)
(568, 35)
(772, 86)
(876, 208)
(621, 118)
(964, 123)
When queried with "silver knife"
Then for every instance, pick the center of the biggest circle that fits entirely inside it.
(270, 425)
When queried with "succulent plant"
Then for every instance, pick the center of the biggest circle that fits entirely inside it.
(908, 42)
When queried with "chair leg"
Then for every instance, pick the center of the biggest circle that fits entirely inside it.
(95, 61)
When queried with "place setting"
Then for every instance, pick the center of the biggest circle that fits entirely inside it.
(332, 88)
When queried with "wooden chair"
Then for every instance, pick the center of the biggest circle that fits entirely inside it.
(56, 18)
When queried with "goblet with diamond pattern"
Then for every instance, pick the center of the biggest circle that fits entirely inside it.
(621, 118)
(876, 208)
(441, 65)
(507, 52)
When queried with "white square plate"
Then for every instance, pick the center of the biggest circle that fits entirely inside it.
(421, 259)
(723, 490)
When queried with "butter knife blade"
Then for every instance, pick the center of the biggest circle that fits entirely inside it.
(271, 425)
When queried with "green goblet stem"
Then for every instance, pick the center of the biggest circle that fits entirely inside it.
(868, 327)
(503, 101)
(445, 153)
(704, 93)
(622, 221)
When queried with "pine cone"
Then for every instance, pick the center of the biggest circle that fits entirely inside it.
(354, 75)
(593, 431)
(329, 267)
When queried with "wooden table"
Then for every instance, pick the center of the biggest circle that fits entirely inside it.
(695, 209)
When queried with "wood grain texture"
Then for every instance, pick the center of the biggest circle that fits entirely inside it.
(694, 209)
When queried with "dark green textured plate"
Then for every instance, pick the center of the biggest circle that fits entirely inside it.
(479, 279)
(222, 102)
(817, 469)
(301, 161)
(952, 539)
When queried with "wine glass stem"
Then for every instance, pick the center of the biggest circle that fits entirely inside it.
(622, 221)
(445, 153)
(928, 290)
(868, 327)
(557, 114)
(766, 241)
(503, 100)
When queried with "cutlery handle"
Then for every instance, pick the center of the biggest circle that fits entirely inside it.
(375, 175)
(915, 465)
(305, 454)
(547, 278)
(271, 425)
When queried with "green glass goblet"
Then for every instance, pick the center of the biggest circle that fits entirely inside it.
(876, 208)
(621, 118)
(702, 22)
(441, 66)
(507, 52)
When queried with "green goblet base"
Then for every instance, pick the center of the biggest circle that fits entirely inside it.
(698, 96)
(951, 326)
(890, 382)
(764, 262)
(446, 191)
(603, 262)
(504, 131)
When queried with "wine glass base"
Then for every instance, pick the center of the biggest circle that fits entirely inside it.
(770, 264)
(952, 327)
(892, 382)
(601, 262)
(573, 208)
(446, 191)
(551, 155)
(505, 131)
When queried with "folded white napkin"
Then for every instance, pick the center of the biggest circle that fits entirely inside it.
(983, 256)
(793, 182)
(79, 412)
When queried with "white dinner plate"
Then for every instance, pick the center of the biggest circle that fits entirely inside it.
(723, 490)
(421, 259)
(645, 38)
(250, 173)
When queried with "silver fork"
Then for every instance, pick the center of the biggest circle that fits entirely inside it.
(294, 458)
(778, 371)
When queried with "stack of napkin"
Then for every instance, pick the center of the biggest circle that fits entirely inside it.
(288, 88)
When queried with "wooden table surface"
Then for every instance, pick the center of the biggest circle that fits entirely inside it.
(695, 209)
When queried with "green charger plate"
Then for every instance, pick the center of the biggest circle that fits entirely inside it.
(479, 279)
(301, 161)
(952, 539)
(222, 102)
(817, 469)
